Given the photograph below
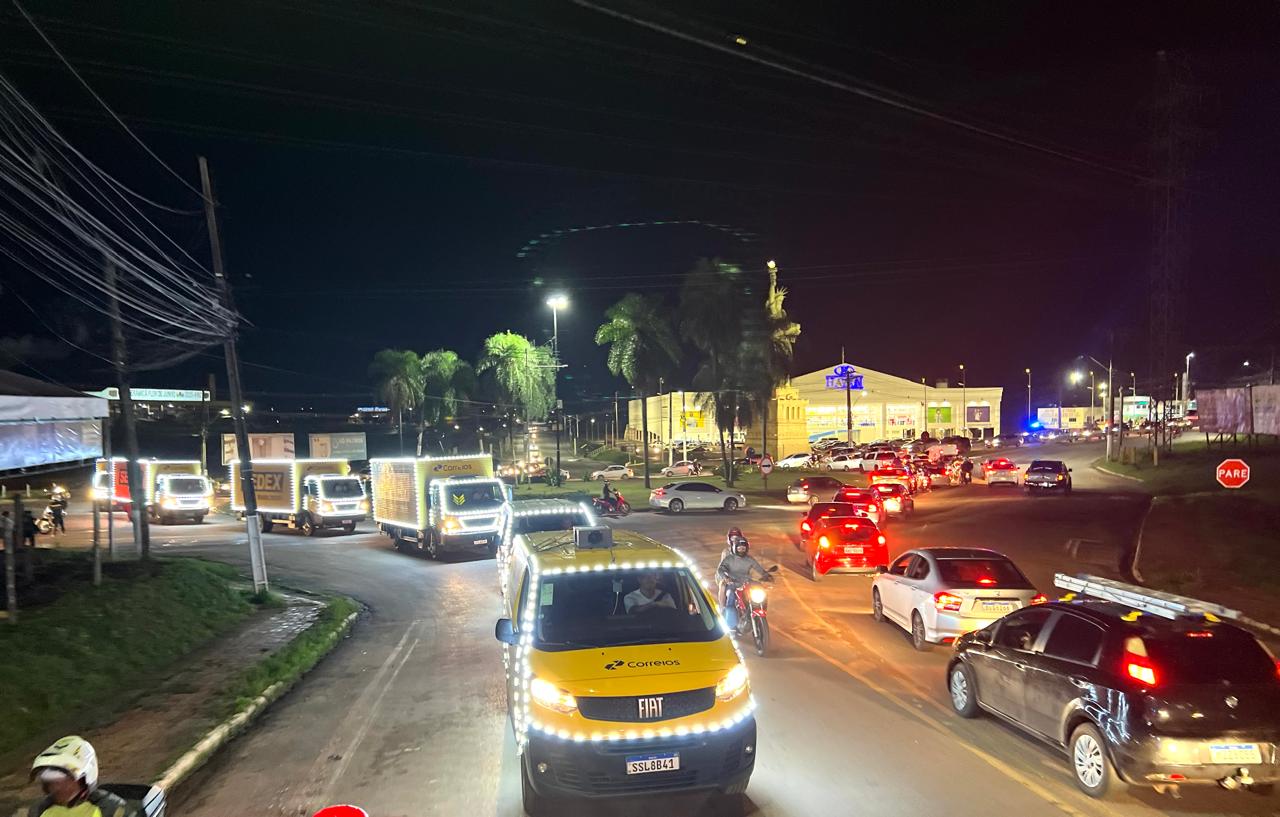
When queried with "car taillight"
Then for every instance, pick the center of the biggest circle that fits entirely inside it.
(805, 526)
(1140, 669)
(660, 492)
(1039, 598)
(987, 580)
(824, 542)
(947, 602)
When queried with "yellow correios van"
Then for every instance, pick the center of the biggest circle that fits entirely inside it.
(621, 676)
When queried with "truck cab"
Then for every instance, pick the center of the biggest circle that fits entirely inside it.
(331, 501)
(181, 496)
(437, 504)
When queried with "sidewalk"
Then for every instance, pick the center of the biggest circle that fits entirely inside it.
(137, 743)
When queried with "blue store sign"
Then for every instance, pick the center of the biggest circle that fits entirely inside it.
(843, 377)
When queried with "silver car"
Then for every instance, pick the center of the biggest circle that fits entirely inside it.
(678, 497)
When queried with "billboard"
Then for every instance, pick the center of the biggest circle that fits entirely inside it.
(1072, 416)
(34, 444)
(939, 415)
(348, 445)
(977, 414)
(1244, 410)
(156, 395)
(263, 446)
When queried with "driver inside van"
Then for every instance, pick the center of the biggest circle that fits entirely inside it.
(648, 596)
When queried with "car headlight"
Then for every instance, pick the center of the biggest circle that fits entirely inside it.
(758, 595)
(733, 684)
(551, 696)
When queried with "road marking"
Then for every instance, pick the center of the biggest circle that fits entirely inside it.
(916, 712)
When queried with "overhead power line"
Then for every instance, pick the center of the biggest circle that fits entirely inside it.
(744, 50)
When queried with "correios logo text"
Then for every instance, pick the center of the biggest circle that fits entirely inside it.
(451, 467)
(668, 662)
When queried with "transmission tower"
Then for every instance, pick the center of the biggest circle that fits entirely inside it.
(1172, 141)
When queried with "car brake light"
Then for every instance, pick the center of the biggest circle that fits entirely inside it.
(986, 580)
(824, 542)
(1140, 669)
(947, 602)
(1039, 598)
(1200, 634)
(660, 492)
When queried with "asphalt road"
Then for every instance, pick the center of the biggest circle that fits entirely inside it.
(408, 716)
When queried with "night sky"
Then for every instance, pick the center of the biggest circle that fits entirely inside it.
(381, 165)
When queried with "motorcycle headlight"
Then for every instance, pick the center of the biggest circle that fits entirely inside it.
(551, 696)
(733, 684)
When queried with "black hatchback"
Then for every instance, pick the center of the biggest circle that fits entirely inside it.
(1130, 697)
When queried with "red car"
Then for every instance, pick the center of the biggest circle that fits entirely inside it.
(820, 514)
(846, 546)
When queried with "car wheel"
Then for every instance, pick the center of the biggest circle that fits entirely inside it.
(731, 504)
(1093, 772)
(877, 606)
(676, 506)
(964, 696)
(918, 639)
(814, 573)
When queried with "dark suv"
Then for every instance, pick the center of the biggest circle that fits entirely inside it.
(1129, 696)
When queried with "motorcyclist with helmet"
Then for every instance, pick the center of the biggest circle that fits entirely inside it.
(609, 497)
(68, 773)
(736, 569)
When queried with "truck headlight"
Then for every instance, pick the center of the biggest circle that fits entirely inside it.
(451, 525)
(733, 684)
(547, 694)
(326, 506)
(364, 506)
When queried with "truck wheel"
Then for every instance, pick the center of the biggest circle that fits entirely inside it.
(267, 524)
(308, 527)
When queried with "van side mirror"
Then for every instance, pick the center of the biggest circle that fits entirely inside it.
(882, 568)
(504, 631)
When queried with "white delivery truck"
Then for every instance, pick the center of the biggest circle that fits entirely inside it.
(306, 495)
(434, 504)
(175, 489)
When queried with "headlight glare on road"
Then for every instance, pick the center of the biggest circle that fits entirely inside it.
(552, 697)
(733, 684)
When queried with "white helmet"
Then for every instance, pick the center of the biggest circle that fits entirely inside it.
(72, 754)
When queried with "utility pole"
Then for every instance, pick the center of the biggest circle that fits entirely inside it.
(671, 428)
(257, 558)
(1028, 398)
(848, 403)
(684, 427)
(615, 419)
(133, 468)
(11, 559)
(204, 427)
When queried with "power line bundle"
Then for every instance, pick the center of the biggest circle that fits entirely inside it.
(65, 220)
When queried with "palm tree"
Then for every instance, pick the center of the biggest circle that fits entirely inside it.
(523, 372)
(712, 308)
(447, 381)
(776, 352)
(642, 349)
(398, 377)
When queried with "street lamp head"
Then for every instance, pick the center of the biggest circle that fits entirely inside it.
(1076, 377)
(772, 265)
(1028, 371)
(1190, 355)
(558, 301)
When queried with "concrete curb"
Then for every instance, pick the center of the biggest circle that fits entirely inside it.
(223, 733)
(1111, 473)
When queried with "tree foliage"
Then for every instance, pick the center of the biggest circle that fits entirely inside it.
(523, 372)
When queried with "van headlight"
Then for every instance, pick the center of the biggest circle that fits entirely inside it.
(168, 502)
(733, 684)
(551, 696)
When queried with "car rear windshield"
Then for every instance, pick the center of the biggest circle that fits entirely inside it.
(852, 532)
(975, 574)
(1211, 657)
(581, 611)
(1040, 465)
(820, 509)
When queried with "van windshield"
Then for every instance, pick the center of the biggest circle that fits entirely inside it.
(185, 486)
(484, 496)
(341, 488)
(619, 607)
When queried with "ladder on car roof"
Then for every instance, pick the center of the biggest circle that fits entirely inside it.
(1156, 602)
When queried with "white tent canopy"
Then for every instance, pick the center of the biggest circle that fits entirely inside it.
(44, 424)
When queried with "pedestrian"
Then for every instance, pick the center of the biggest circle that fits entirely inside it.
(57, 510)
(28, 529)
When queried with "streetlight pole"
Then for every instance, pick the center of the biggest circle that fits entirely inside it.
(1028, 398)
(557, 302)
(964, 402)
(1186, 385)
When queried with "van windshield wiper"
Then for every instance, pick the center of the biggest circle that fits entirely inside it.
(569, 645)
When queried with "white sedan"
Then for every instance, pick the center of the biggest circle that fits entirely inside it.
(845, 462)
(938, 594)
(614, 472)
(683, 468)
(677, 497)
(794, 461)
(1001, 472)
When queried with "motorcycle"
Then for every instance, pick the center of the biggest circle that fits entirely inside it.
(619, 507)
(44, 522)
(752, 602)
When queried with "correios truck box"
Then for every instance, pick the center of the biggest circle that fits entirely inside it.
(439, 503)
(308, 495)
(175, 489)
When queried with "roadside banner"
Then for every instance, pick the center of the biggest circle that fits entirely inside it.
(1241, 410)
(263, 446)
(349, 445)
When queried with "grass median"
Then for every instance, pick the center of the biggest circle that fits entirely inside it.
(751, 483)
(92, 647)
